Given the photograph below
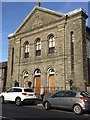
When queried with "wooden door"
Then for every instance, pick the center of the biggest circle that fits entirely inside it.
(38, 80)
(52, 82)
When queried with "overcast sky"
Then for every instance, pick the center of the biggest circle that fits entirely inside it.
(13, 14)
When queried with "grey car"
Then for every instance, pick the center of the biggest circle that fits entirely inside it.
(68, 99)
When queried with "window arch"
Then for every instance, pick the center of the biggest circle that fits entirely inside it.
(37, 71)
(25, 73)
(26, 49)
(51, 43)
(51, 71)
(38, 47)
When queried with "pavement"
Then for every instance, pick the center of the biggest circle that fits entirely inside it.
(40, 104)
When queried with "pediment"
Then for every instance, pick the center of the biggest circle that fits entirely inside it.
(38, 17)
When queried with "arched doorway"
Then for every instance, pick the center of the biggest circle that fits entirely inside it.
(51, 80)
(25, 78)
(37, 80)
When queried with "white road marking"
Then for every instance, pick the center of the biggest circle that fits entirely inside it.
(7, 118)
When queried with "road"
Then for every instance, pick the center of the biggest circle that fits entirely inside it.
(12, 112)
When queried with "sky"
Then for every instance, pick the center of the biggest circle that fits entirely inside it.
(13, 14)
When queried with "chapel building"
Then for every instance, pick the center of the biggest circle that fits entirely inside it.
(49, 49)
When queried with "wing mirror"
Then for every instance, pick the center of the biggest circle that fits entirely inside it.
(53, 96)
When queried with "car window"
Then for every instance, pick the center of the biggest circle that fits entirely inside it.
(10, 90)
(17, 90)
(59, 94)
(28, 90)
(70, 94)
(85, 94)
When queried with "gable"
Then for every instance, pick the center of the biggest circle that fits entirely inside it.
(38, 17)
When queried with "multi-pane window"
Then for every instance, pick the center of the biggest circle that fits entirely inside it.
(51, 44)
(38, 47)
(26, 49)
(72, 51)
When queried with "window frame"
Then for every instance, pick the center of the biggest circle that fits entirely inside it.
(51, 44)
(26, 49)
(38, 47)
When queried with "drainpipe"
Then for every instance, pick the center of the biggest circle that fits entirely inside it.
(19, 61)
(64, 50)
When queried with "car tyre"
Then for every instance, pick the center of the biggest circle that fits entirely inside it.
(18, 101)
(77, 109)
(47, 105)
(2, 99)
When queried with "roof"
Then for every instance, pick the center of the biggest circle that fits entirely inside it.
(76, 11)
(3, 64)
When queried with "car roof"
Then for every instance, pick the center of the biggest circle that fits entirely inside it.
(69, 91)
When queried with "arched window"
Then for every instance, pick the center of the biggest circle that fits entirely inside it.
(26, 49)
(51, 44)
(25, 73)
(37, 71)
(51, 71)
(38, 47)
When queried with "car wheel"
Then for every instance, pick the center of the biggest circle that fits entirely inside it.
(77, 109)
(47, 105)
(18, 101)
(2, 99)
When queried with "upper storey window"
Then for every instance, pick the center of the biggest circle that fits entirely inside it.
(26, 49)
(38, 47)
(51, 44)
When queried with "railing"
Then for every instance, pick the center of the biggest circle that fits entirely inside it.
(47, 89)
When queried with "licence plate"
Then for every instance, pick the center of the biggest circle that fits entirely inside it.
(30, 94)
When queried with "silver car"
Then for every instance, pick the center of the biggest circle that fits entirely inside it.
(68, 99)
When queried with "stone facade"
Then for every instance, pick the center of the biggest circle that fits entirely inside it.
(88, 52)
(65, 66)
(3, 75)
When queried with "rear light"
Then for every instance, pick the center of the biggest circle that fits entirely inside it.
(24, 93)
(83, 99)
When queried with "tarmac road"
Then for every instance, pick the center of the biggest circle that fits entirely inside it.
(12, 112)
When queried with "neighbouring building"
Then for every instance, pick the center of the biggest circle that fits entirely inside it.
(88, 53)
(3, 75)
(49, 49)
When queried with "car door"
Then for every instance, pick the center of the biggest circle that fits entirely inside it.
(16, 92)
(8, 94)
(69, 99)
(56, 99)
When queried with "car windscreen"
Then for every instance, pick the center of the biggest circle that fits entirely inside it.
(28, 90)
(85, 94)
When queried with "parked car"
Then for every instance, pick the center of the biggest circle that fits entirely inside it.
(68, 99)
(19, 95)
